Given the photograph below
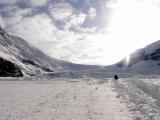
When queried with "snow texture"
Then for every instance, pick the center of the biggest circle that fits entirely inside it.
(132, 98)
(61, 99)
(142, 96)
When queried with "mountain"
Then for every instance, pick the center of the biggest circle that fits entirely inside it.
(27, 60)
(145, 60)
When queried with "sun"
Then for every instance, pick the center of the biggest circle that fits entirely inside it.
(133, 25)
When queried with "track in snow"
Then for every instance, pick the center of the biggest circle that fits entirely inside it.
(60, 100)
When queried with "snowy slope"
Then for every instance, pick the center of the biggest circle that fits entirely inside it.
(31, 60)
(141, 95)
(145, 60)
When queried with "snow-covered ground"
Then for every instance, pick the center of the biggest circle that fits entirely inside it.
(61, 99)
(141, 95)
(134, 98)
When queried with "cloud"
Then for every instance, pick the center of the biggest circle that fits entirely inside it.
(76, 20)
(61, 11)
(92, 13)
(75, 1)
(66, 14)
(13, 15)
(111, 3)
(2, 22)
(35, 3)
(41, 23)
(8, 2)
(32, 3)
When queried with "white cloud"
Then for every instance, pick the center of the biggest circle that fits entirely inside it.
(8, 2)
(156, 2)
(35, 28)
(22, 12)
(15, 15)
(92, 13)
(8, 9)
(35, 3)
(88, 30)
(2, 22)
(61, 11)
(111, 3)
(77, 19)
(64, 12)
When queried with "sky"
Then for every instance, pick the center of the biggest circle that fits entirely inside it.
(100, 32)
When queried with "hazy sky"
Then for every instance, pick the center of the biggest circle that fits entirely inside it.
(84, 31)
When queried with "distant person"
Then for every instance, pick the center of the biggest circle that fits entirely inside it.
(115, 77)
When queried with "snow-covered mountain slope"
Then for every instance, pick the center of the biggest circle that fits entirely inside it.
(31, 60)
(7, 59)
(145, 60)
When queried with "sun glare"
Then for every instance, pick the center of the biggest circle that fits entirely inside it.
(127, 59)
(133, 24)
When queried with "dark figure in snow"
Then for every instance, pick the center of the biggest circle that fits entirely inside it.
(115, 77)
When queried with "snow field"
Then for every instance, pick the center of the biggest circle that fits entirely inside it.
(149, 86)
(60, 100)
(141, 96)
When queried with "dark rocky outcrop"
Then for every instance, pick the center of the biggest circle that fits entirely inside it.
(9, 69)
(155, 55)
